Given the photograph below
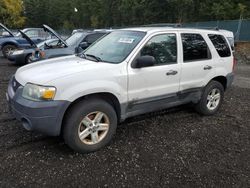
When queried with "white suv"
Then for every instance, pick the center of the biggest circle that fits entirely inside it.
(126, 73)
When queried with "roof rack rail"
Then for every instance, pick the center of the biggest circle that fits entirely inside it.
(163, 25)
(179, 25)
(198, 27)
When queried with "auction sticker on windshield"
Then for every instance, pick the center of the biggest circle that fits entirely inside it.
(126, 40)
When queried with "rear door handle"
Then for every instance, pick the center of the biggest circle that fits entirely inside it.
(171, 72)
(207, 67)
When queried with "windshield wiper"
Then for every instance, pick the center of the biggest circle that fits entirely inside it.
(81, 55)
(98, 59)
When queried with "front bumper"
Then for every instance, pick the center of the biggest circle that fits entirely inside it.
(18, 59)
(45, 117)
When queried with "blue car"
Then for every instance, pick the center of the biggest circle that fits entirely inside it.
(10, 41)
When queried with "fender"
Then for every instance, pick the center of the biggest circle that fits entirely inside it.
(74, 92)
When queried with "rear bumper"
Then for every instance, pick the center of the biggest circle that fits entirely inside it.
(45, 117)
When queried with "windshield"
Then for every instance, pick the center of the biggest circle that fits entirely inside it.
(74, 39)
(116, 46)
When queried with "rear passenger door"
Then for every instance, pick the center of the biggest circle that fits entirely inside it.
(197, 62)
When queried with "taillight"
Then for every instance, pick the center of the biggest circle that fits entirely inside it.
(234, 63)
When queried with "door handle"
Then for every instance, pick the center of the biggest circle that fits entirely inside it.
(207, 67)
(171, 72)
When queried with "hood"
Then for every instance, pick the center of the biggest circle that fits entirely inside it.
(51, 31)
(6, 29)
(49, 70)
(28, 39)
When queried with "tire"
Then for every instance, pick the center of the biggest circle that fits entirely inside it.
(77, 122)
(211, 99)
(27, 59)
(7, 49)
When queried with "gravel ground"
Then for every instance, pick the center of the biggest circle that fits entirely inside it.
(172, 148)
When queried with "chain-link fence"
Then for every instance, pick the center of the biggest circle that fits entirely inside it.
(240, 28)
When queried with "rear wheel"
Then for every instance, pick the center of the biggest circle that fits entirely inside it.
(90, 125)
(8, 49)
(211, 99)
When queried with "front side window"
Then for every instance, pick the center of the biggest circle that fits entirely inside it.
(163, 48)
(116, 46)
(220, 45)
(195, 47)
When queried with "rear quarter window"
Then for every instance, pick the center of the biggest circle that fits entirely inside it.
(220, 45)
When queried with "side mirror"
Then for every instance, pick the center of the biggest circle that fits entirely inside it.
(144, 61)
(83, 45)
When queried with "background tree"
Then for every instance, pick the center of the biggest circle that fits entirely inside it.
(11, 13)
(117, 13)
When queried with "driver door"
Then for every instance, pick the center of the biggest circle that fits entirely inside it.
(159, 82)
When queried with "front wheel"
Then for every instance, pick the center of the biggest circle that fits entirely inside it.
(90, 125)
(28, 59)
(211, 99)
(8, 49)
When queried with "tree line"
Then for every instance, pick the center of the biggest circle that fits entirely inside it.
(65, 14)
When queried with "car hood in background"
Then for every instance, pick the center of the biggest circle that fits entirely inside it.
(28, 39)
(6, 29)
(50, 30)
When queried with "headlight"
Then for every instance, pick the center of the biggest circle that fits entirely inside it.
(18, 52)
(38, 93)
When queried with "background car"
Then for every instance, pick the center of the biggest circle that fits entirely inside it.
(10, 41)
(24, 56)
(76, 43)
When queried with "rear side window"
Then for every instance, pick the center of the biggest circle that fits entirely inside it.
(220, 45)
(195, 47)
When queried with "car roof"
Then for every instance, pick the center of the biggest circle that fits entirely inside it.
(162, 29)
(91, 32)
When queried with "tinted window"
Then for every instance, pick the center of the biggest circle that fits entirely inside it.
(93, 37)
(220, 45)
(163, 48)
(194, 47)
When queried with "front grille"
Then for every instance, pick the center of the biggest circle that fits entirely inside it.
(15, 84)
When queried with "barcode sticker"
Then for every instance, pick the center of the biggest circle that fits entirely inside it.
(126, 40)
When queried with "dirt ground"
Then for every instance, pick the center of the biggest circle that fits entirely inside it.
(171, 148)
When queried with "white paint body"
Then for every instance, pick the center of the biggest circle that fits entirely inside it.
(75, 77)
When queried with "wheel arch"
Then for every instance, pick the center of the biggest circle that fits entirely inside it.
(222, 80)
(10, 43)
(108, 97)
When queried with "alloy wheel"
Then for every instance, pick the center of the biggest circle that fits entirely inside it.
(93, 128)
(213, 99)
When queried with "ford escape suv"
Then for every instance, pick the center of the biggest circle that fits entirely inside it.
(128, 72)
